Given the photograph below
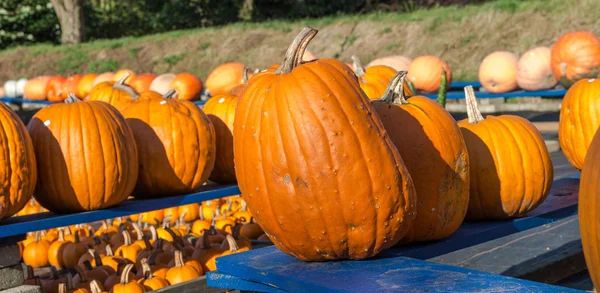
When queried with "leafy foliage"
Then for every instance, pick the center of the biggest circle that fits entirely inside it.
(27, 22)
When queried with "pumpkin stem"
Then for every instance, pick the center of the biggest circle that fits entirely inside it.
(138, 231)
(394, 94)
(245, 75)
(146, 270)
(126, 238)
(95, 287)
(109, 251)
(181, 218)
(125, 274)
(62, 288)
(166, 221)
(104, 225)
(205, 239)
(235, 231)
(472, 109)
(153, 233)
(233, 247)
(293, 56)
(61, 235)
(81, 273)
(171, 94)
(179, 259)
(76, 237)
(37, 236)
(121, 81)
(69, 282)
(87, 265)
(244, 206)
(200, 214)
(129, 90)
(441, 97)
(71, 98)
(359, 69)
(139, 221)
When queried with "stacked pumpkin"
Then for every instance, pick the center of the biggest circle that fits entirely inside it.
(122, 254)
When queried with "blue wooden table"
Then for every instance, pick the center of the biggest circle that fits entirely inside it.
(400, 269)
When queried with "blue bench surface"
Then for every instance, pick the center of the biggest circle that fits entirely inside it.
(20, 225)
(276, 269)
(459, 94)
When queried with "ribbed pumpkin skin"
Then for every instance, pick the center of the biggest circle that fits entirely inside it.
(18, 169)
(498, 72)
(86, 156)
(576, 55)
(589, 210)
(176, 146)
(579, 120)
(316, 167)
(435, 154)
(376, 80)
(511, 170)
(534, 70)
(221, 111)
(106, 93)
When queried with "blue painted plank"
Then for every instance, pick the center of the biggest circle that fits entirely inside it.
(21, 225)
(217, 279)
(462, 84)
(21, 100)
(400, 274)
(459, 95)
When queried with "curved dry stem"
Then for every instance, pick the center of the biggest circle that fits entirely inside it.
(233, 247)
(126, 238)
(123, 78)
(394, 93)
(294, 53)
(138, 231)
(95, 287)
(129, 90)
(71, 98)
(171, 94)
(472, 109)
(178, 259)
(359, 69)
(146, 270)
(245, 75)
(125, 274)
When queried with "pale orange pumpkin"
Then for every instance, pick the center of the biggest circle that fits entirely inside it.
(398, 62)
(85, 85)
(35, 88)
(425, 73)
(498, 72)
(124, 72)
(106, 76)
(162, 83)
(534, 70)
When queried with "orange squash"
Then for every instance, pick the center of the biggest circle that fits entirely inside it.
(498, 72)
(186, 86)
(54, 89)
(142, 82)
(425, 73)
(190, 210)
(579, 120)
(35, 88)
(85, 85)
(277, 156)
(398, 62)
(220, 109)
(373, 80)
(153, 217)
(504, 152)
(164, 131)
(56, 250)
(534, 70)
(181, 272)
(575, 56)
(67, 138)
(128, 250)
(225, 77)
(434, 151)
(35, 253)
(589, 209)
(150, 282)
(127, 286)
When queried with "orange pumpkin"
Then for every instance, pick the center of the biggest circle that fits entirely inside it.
(54, 89)
(498, 72)
(128, 250)
(398, 62)
(589, 209)
(181, 272)
(308, 56)
(221, 111)
(142, 82)
(189, 212)
(35, 88)
(114, 93)
(70, 86)
(85, 85)
(19, 171)
(73, 251)
(425, 73)
(435, 155)
(504, 152)
(186, 86)
(225, 78)
(164, 131)
(104, 77)
(579, 121)
(162, 83)
(576, 55)
(127, 286)
(128, 74)
(373, 80)
(237, 91)
(150, 282)
(207, 253)
(35, 253)
(56, 250)
(534, 70)
(67, 137)
(251, 230)
(32, 207)
(287, 150)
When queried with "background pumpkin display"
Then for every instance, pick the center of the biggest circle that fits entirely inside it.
(398, 62)
(498, 72)
(35, 89)
(225, 77)
(54, 89)
(111, 93)
(66, 168)
(374, 79)
(221, 112)
(85, 85)
(162, 83)
(576, 55)
(534, 70)
(425, 73)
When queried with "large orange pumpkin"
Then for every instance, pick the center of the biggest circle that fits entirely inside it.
(579, 120)
(221, 111)
(142, 82)
(398, 62)
(511, 171)
(589, 209)
(70, 85)
(176, 146)
(225, 77)
(54, 89)
(576, 55)
(106, 76)
(186, 86)
(111, 92)
(19, 172)
(308, 134)
(425, 73)
(435, 155)
(35, 88)
(86, 156)
(373, 80)
(498, 72)
(85, 85)
(534, 71)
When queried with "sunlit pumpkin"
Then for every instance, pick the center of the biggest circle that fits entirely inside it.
(35, 88)
(70, 86)
(106, 76)
(575, 56)
(126, 285)
(85, 85)
(162, 83)
(225, 77)
(220, 109)
(127, 73)
(425, 73)
(142, 82)
(54, 89)
(398, 62)
(186, 86)
(534, 70)
(35, 253)
(373, 80)
(498, 72)
(112, 92)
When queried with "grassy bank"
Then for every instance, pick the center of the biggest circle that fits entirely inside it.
(461, 36)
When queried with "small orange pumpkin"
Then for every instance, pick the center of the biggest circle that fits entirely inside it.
(70, 86)
(498, 72)
(35, 253)
(141, 82)
(207, 253)
(186, 86)
(113, 93)
(56, 250)
(127, 286)
(128, 250)
(104, 77)
(128, 74)
(150, 282)
(373, 80)
(225, 78)
(181, 272)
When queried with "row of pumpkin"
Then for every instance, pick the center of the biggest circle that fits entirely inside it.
(309, 149)
(146, 252)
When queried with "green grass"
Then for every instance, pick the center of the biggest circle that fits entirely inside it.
(72, 62)
(103, 65)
